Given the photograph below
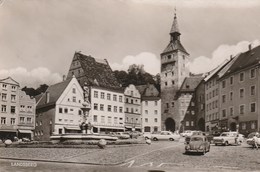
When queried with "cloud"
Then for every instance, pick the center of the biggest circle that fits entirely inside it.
(32, 78)
(149, 60)
(204, 64)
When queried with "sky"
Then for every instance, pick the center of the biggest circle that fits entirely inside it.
(39, 38)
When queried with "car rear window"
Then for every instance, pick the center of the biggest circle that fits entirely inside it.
(196, 139)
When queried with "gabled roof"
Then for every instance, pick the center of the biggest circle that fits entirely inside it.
(173, 46)
(97, 71)
(9, 80)
(141, 88)
(227, 66)
(145, 90)
(244, 60)
(54, 92)
(190, 83)
(216, 70)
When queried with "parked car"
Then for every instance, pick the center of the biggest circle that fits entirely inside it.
(198, 143)
(250, 141)
(163, 135)
(229, 138)
(120, 135)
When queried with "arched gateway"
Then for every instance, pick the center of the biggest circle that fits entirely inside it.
(170, 124)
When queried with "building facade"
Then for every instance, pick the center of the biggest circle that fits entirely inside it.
(9, 114)
(239, 93)
(200, 106)
(107, 112)
(132, 108)
(151, 108)
(59, 110)
(174, 70)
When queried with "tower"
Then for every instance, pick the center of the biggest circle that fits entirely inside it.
(174, 69)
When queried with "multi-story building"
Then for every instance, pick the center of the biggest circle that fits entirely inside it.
(186, 102)
(107, 113)
(239, 93)
(174, 70)
(9, 114)
(26, 123)
(132, 108)
(151, 108)
(200, 106)
(58, 111)
(107, 96)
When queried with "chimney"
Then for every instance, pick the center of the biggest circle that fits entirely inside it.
(231, 57)
(47, 97)
(250, 47)
(63, 77)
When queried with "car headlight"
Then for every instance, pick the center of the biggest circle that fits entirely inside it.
(201, 147)
(187, 147)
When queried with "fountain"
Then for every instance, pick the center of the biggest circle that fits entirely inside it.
(85, 126)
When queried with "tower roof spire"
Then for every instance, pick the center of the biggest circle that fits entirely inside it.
(175, 27)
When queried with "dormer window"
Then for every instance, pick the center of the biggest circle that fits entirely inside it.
(187, 86)
(169, 57)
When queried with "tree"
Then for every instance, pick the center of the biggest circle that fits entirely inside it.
(34, 92)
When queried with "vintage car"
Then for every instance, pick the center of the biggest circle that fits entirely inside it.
(194, 133)
(228, 138)
(198, 143)
(250, 141)
(163, 135)
(120, 135)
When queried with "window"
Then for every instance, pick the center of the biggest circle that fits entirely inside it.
(231, 111)
(22, 120)
(241, 93)
(95, 94)
(95, 106)
(231, 80)
(155, 112)
(126, 109)
(109, 119)
(252, 73)
(146, 103)
(146, 111)
(60, 110)
(252, 107)
(223, 98)
(60, 120)
(241, 77)
(12, 121)
(80, 112)
(40, 122)
(146, 119)
(165, 83)
(120, 98)
(187, 123)
(223, 84)
(252, 90)
(155, 103)
(231, 95)
(132, 93)
(101, 107)
(167, 105)
(173, 82)
(65, 110)
(243, 126)
(60, 130)
(241, 109)
(132, 101)
(12, 109)
(74, 99)
(29, 120)
(102, 95)
(4, 96)
(3, 108)
(95, 118)
(115, 120)
(224, 113)
(253, 125)
(132, 110)
(126, 100)
(192, 123)
(13, 88)
(29, 108)
(172, 104)
(114, 97)
(3, 120)
(108, 96)
(4, 86)
(192, 112)
(109, 108)
(115, 108)
(74, 90)
(155, 120)
(120, 109)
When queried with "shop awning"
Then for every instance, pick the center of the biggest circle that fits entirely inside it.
(72, 128)
(25, 131)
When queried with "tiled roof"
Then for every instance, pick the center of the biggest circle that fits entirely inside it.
(190, 83)
(244, 60)
(148, 90)
(54, 92)
(141, 88)
(97, 72)
(38, 97)
(174, 45)
(216, 70)
(150, 98)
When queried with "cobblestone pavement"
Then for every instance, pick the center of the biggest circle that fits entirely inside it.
(161, 154)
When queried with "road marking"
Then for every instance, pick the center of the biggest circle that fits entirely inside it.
(151, 152)
(149, 163)
(130, 164)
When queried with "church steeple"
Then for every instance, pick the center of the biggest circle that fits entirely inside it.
(175, 32)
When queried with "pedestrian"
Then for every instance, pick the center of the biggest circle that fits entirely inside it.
(255, 142)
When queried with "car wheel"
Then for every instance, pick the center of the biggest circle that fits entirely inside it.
(204, 151)
(226, 143)
(171, 139)
(155, 139)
